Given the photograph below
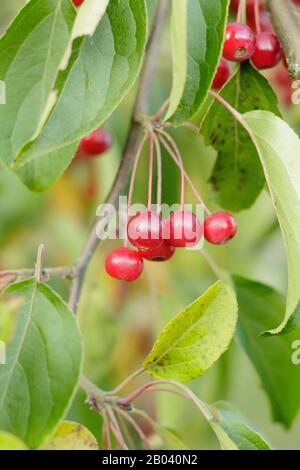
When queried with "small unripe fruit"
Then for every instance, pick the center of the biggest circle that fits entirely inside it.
(239, 44)
(222, 75)
(161, 253)
(219, 228)
(183, 229)
(268, 52)
(124, 264)
(145, 230)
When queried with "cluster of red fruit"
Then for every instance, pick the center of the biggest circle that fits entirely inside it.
(156, 239)
(253, 40)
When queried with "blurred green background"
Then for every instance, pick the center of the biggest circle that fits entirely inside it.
(120, 322)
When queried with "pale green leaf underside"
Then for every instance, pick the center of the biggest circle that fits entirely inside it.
(279, 149)
(43, 365)
(196, 337)
(233, 431)
(197, 31)
(30, 55)
(237, 176)
(103, 69)
(261, 307)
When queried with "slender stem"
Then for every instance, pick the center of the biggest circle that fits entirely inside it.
(212, 264)
(124, 428)
(39, 264)
(285, 19)
(106, 438)
(150, 175)
(134, 170)
(116, 429)
(145, 416)
(181, 166)
(158, 115)
(137, 428)
(140, 108)
(188, 393)
(257, 18)
(47, 273)
(168, 390)
(188, 179)
(191, 126)
(239, 12)
(229, 108)
(159, 173)
(128, 379)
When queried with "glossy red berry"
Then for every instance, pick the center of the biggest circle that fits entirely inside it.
(239, 44)
(77, 3)
(219, 228)
(222, 75)
(268, 52)
(145, 230)
(183, 229)
(160, 253)
(124, 264)
(94, 144)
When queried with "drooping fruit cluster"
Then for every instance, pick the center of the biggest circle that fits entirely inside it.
(154, 238)
(253, 40)
(94, 144)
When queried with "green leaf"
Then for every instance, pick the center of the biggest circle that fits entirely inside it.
(196, 337)
(39, 380)
(71, 436)
(233, 430)
(31, 52)
(170, 438)
(197, 30)
(10, 442)
(237, 176)
(279, 149)
(274, 357)
(102, 70)
(8, 317)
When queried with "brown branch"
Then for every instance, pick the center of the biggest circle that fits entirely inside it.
(140, 108)
(47, 273)
(286, 21)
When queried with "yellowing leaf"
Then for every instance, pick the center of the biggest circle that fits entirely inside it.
(196, 337)
(71, 436)
(10, 442)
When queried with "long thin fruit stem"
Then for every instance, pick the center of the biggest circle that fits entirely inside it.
(128, 379)
(116, 429)
(137, 429)
(150, 175)
(188, 179)
(181, 166)
(257, 19)
(159, 173)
